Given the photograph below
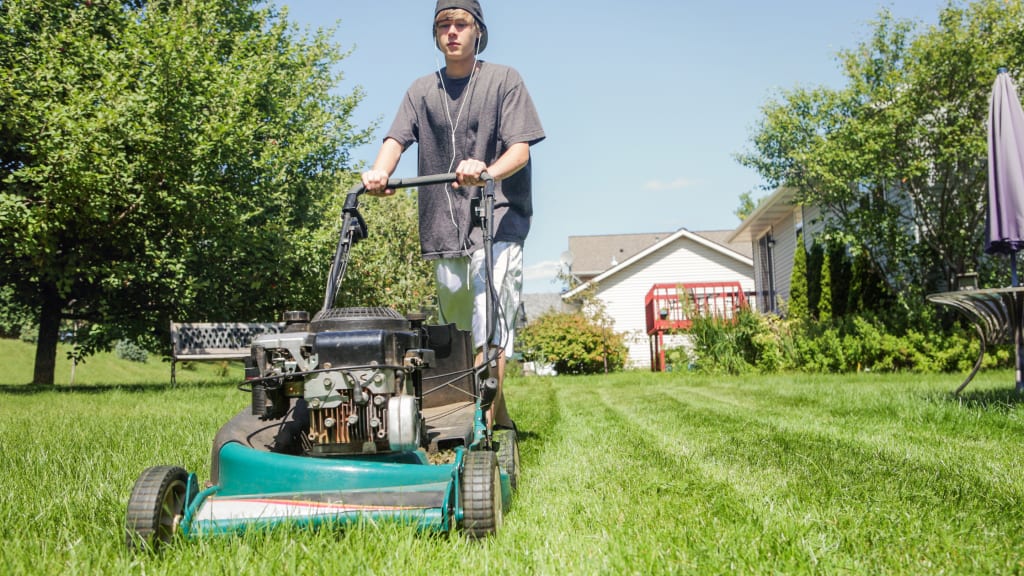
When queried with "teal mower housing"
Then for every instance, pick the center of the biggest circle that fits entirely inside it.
(356, 414)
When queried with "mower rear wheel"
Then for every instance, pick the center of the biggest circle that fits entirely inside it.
(156, 507)
(481, 494)
(508, 455)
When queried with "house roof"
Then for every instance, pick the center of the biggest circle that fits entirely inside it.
(699, 238)
(593, 255)
(538, 304)
(780, 205)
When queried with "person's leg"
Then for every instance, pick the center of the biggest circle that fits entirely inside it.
(508, 281)
(454, 292)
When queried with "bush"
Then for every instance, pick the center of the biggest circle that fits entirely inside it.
(718, 346)
(129, 350)
(573, 343)
(746, 343)
(678, 358)
(768, 344)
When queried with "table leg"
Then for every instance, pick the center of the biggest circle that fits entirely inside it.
(1017, 325)
(1018, 343)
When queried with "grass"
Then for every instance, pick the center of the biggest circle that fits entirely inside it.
(632, 473)
(107, 369)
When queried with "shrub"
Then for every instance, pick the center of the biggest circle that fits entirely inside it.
(718, 346)
(678, 358)
(573, 343)
(746, 343)
(768, 344)
(129, 350)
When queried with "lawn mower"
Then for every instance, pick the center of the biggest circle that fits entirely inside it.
(356, 414)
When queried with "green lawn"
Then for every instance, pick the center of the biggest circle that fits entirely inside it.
(632, 473)
(106, 369)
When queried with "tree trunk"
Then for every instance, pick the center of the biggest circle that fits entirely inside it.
(49, 329)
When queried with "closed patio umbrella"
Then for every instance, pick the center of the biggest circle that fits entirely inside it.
(1005, 217)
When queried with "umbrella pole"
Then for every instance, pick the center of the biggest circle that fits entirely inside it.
(1013, 268)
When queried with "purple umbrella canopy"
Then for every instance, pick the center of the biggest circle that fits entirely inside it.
(1005, 218)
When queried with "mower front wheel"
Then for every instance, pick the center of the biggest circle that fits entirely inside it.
(481, 494)
(156, 507)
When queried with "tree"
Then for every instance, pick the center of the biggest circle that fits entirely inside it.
(813, 269)
(840, 278)
(164, 159)
(897, 156)
(798, 302)
(825, 288)
(747, 205)
(386, 269)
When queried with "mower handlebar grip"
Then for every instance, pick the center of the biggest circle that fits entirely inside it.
(395, 183)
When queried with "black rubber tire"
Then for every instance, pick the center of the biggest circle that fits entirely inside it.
(508, 455)
(481, 494)
(155, 507)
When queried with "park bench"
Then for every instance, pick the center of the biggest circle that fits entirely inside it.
(213, 341)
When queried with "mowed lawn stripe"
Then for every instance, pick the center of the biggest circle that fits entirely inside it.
(610, 504)
(844, 489)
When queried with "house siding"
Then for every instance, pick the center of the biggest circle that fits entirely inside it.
(681, 261)
(781, 256)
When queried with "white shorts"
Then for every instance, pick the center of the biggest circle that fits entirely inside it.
(461, 297)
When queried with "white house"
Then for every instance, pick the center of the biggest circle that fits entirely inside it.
(635, 263)
(771, 233)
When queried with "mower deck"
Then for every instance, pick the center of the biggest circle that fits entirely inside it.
(308, 491)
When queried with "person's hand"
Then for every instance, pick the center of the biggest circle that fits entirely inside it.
(468, 173)
(376, 183)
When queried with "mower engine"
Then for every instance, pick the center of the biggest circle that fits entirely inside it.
(358, 371)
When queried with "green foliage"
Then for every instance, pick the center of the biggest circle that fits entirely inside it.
(825, 287)
(164, 160)
(573, 343)
(859, 344)
(14, 317)
(679, 358)
(815, 258)
(386, 269)
(128, 350)
(799, 302)
(840, 278)
(767, 344)
(29, 332)
(896, 157)
(747, 205)
(746, 343)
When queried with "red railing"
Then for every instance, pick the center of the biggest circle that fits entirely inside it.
(673, 307)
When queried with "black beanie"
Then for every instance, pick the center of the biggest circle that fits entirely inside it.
(471, 6)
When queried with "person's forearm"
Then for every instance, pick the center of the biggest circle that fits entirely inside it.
(387, 158)
(510, 162)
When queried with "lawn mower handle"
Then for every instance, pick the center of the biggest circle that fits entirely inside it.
(353, 228)
(395, 183)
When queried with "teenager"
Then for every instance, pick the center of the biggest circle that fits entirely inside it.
(468, 117)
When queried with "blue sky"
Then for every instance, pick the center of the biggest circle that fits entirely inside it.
(644, 103)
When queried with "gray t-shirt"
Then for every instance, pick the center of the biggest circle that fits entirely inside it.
(487, 113)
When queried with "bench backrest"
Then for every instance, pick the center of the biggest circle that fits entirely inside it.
(225, 339)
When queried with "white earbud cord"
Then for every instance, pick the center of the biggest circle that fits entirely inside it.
(466, 95)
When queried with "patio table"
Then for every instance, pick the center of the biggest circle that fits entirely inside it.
(997, 315)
